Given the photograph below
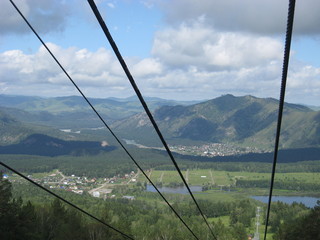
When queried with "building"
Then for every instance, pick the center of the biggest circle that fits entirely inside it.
(96, 194)
(129, 197)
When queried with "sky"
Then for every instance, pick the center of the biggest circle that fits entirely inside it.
(175, 49)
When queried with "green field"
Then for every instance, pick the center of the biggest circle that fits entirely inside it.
(210, 176)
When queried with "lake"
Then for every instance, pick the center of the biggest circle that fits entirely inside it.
(308, 201)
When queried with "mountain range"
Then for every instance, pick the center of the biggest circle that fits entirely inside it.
(64, 112)
(43, 145)
(246, 120)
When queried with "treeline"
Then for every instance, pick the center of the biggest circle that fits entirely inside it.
(102, 165)
(239, 211)
(117, 162)
(43, 145)
(44, 217)
(294, 222)
(55, 221)
(301, 225)
(257, 167)
(287, 185)
(24, 220)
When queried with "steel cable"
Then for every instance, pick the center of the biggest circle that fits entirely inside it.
(102, 120)
(145, 106)
(281, 102)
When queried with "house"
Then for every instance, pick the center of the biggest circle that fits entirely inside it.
(78, 191)
(96, 194)
(129, 197)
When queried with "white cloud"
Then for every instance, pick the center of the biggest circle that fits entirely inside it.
(45, 15)
(147, 67)
(262, 17)
(202, 46)
(37, 71)
(100, 75)
(111, 5)
(304, 76)
(206, 52)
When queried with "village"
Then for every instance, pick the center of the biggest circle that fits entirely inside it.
(96, 187)
(214, 149)
(205, 150)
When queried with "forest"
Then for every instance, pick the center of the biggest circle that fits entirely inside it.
(34, 214)
(108, 164)
(30, 213)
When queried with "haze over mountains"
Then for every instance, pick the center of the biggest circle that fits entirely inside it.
(243, 120)
(63, 112)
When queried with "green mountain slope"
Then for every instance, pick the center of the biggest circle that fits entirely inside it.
(246, 121)
(39, 144)
(73, 111)
(243, 120)
(13, 131)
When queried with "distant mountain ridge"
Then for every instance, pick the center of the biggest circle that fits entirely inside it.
(64, 112)
(248, 120)
(39, 144)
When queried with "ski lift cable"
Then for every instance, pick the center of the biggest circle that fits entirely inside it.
(145, 106)
(102, 120)
(286, 58)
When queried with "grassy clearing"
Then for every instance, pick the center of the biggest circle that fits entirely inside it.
(300, 176)
(209, 176)
(220, 196)
(199, 177)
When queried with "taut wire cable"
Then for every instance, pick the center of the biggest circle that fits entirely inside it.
(281, 101)
(102, 120)
(145, 106)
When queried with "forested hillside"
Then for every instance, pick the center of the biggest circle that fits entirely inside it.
(243, 120)
(64, 112)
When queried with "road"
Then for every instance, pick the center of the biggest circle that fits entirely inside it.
(211, 177)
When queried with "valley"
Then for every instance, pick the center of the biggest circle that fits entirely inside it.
(223, 147)
(205, 181)
(217, 192)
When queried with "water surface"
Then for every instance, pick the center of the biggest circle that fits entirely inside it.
(308, 201)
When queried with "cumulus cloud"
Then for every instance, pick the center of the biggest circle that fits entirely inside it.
(147, 67)
(98, 71)
(45, 15)
(94, 69)
(99, 74)
(262, 17)
(204, 52)
(202, 46)
(217, 47)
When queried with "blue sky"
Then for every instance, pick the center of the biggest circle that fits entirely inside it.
(175, 49)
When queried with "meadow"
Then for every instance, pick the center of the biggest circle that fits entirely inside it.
(199, 177)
